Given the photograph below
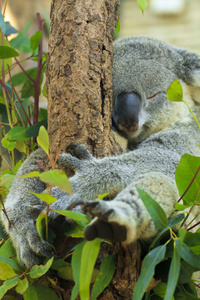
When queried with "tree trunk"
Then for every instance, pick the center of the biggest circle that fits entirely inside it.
(79, 81)
(79, 86)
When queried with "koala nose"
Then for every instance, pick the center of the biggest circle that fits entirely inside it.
(126, 112)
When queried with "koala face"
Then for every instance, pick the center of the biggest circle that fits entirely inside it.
(143, 69)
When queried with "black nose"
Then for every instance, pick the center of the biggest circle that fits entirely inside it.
(126, 112)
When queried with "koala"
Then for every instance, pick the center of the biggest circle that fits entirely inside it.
(156, 132)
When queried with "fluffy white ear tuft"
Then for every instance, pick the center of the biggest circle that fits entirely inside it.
(196, 78)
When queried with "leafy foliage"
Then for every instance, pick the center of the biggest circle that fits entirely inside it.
(179, 250)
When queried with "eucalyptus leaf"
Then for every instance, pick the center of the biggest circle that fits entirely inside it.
(2, 23)
(6, 271)
(45, 197)
(40, 225)
(155, 210)
(43, 139)
(35, 40)
(143, 4)
(189, 256)
(18, 133)
(57, 178)
(147, 271)
(76, 263)
(37, 271)
(7, 285)
(74, 216)
(173, 273)
(175, 91)
(22, 286)
(107, 270)
(185, 172)
(7, 52)
(88, 259)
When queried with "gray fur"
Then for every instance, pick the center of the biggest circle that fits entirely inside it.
(144, 67)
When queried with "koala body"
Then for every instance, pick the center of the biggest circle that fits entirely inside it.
(158, 132)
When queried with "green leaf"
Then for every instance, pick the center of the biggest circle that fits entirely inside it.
(44, 293)
(30, 293)
(40, 225)
(22, 286)
(35, 40)
(173, 273)
(18, 133)
(57, 178)
(21, 42)
(34, 130)
(185, 172)
(74, 216)
(6, 271)
(76, 263)
(188, 255)
(65, 273)
(155, 210)
(8, 144)
(43, 139)
(160, 290)
(143, 4)
(44, 91)
(181, 207)
(148, 268)
(32, 174)
(6, 180)
(2, 23)
(45, 197)
(175, 91)
(21, 146)
(10, 29)
(104, 277)
(7, 52)
(88, 259)
(117, 28)
(175, 220)
(11, 263)
(37, 271)
(7, 249)
(7, 285)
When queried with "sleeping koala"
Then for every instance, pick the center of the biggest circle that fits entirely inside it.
(157, 133)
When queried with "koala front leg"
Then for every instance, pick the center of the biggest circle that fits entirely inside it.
(125, 218)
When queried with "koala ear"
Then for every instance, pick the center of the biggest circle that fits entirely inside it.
(195, 76)
(188, 67)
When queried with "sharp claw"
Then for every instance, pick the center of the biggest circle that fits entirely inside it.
(46, 253)
(74, 204)
(107, 214)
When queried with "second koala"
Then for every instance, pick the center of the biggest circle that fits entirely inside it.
(158, 132)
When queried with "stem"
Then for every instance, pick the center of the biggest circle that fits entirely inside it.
(193, 226)
(39, 71)
(195, 175)
(191, 113)
(4, 211)
(19, 64)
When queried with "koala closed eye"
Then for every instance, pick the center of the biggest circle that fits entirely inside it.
(153, 97)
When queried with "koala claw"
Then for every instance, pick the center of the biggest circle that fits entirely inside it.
(79, 151)
(99, 209)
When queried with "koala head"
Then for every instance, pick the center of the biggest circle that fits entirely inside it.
(143, 69)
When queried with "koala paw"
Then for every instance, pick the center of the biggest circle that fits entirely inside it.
(105, 223)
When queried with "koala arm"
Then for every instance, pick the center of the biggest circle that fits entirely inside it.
(23, 208)
(124, 218)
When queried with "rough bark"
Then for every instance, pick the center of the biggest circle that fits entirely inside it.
(79, 86)
(79, 81)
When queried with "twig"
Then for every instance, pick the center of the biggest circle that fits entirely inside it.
(4, 210)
